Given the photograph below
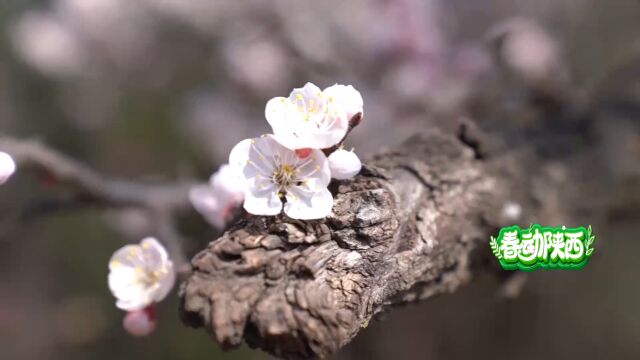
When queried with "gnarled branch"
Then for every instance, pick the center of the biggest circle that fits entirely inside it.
(404, 229)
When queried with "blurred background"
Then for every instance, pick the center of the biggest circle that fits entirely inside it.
(162, 89)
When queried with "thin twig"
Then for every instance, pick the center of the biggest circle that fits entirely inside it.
(89, 184)
(91, 188)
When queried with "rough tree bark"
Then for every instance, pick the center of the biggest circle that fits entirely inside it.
(405, 229)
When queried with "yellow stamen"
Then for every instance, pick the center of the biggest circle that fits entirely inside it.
(287, 169)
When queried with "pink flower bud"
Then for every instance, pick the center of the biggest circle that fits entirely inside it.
(140, 322)
(303, 153)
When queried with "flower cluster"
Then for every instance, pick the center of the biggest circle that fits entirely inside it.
(288, 169)
(139, 277)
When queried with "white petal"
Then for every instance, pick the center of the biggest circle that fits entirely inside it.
(314, 170)
(165, 284)
(344, 164)
(203, 198)
(308, 91)
(7, 167)
(205, 201)
(133, 305)
(277, 111)
(135, 301)
(287, 139)
(349, 98)
(129, 292)
(308, 100)
(122, 280)
(126, 284)
(155, 254)
(266, 202)
(315, 139)
(127, 256)
(158, 262)
(254, 157)
(285, 120)
(239, 155)
(228, 180)
(307, 205)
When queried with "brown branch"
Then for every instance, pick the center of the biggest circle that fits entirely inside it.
(91, 185)
(405, 229)
(91, 188)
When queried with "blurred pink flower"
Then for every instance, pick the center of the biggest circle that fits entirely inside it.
(256, 61)
(527, 49)
(140, 322)
(218, 200)
(48, 44)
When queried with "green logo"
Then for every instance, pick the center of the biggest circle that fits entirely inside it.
(543, 247)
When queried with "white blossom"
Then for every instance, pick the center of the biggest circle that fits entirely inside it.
(274, 173)
(140, 275)
(344, 164)
(7, 167)
(217, 201)
(348, 98)
(308, 118)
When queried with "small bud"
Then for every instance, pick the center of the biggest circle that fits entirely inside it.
(140, 322)
(303, 153)
(344, 164)
(7, 167)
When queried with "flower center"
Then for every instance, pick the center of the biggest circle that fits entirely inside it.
(312, 110)
(284, 176)
(147, 277)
